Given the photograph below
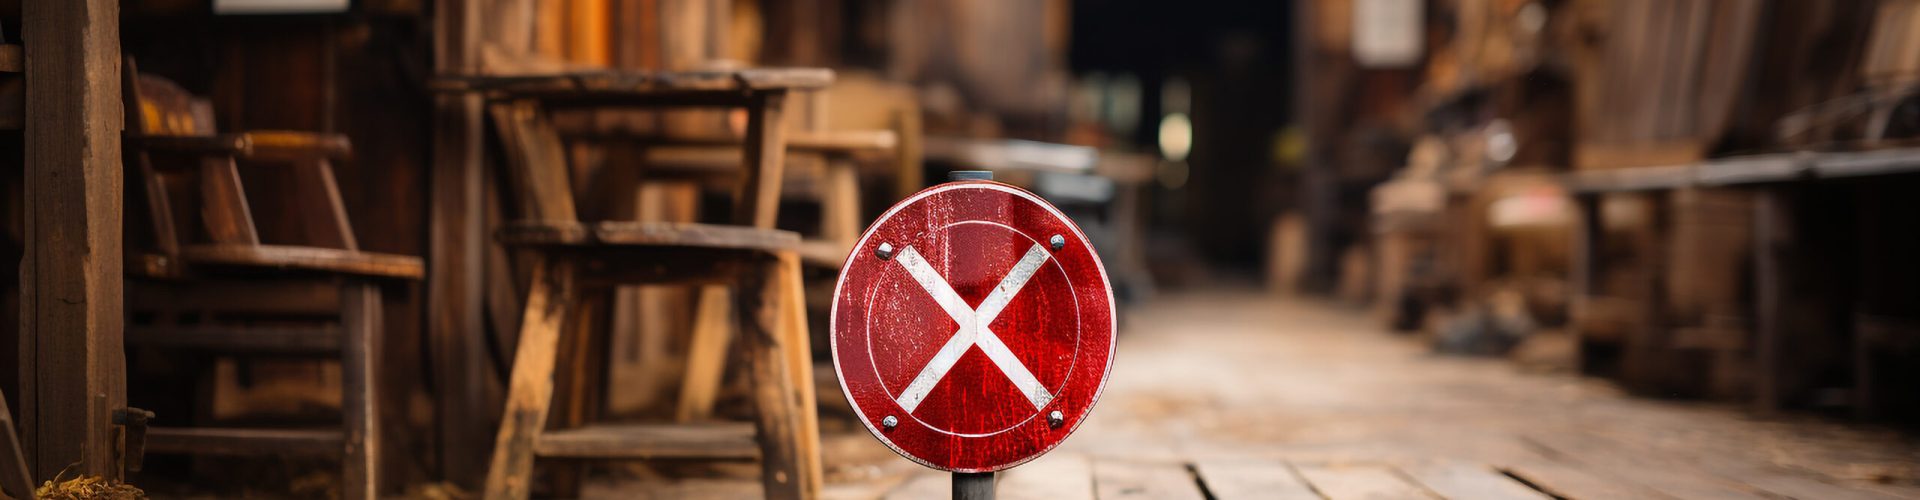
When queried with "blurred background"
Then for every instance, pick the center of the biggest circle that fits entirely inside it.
(1362, 248)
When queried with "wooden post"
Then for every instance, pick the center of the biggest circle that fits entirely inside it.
(1772, 231)
(1588, 239)
(455, 287)
(73, 370)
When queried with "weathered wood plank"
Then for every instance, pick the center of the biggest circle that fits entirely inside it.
(646, 441)
(1369, 481)
(764, 156)
(706, 355)
(245, 442)
(1056, 476)
(320, 339)
(1249, 479)
(456, 245)
(926, 485)
(1568, 482)
(1648, 469)
(73, 368)
(456, 288)
(361, 319)
(799, 353)
(531, 387)
(790, 467)
(1469, 481)
(1118, 480)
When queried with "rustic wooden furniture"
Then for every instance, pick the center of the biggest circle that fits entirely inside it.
(832, 158)
(208, 275)
(576, 262)
(1777, 239)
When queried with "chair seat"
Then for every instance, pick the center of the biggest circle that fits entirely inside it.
(650, 441)
(647, 234)
(327, 260)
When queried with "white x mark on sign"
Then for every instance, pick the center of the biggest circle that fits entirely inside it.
(973, 328)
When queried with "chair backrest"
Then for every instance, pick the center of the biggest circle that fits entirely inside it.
(536, 161)
(197, 197)
(165, 184)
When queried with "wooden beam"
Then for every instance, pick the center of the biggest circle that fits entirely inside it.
(72, 366)
(456, 243)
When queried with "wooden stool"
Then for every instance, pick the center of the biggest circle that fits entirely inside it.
(575, 262)
(194, 275)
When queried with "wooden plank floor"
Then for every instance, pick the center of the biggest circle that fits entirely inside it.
(1121, 479)
(1238, 394)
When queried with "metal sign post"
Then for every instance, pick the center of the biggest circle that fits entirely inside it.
(972, 485)
(972, 329)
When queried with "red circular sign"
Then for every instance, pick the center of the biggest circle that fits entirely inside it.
(973, 327)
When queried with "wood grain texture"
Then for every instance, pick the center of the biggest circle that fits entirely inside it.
(246, 442)
(1569, 482)
(1250, 479)
(325, 339)
(1119, 480)
(360, 363)
(224, 213)
(706, 355)
(72, 367)
(1466, 480)
(663, 234)
(631, 82)
(531, 388)
(797, 347)
(787, 471)
(378, 265)
(726, 441)
(763, 158)
(456, 287)
(1360, 481)
(1057, 476)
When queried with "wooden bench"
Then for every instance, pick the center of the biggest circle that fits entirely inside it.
(199, 258)
(577, 263)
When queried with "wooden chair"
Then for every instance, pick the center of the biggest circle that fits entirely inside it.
(207, 277)
(577, 263)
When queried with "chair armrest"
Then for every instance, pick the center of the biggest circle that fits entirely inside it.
(280, 145)
(219, 144)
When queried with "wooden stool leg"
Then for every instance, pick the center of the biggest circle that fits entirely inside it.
(760, 302)
(530, 390)
(706, 356)
(799, 353)
(579, 383)
(840, 203)
(360, 318)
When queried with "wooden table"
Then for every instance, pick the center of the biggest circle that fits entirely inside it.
(1771, 176)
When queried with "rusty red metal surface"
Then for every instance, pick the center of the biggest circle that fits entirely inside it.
(965, 318)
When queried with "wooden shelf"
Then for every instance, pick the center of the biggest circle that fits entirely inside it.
(1744, 170)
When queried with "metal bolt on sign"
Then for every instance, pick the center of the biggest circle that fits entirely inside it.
(973, 329)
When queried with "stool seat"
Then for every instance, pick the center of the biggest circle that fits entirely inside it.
(647, 234)
(714, 441)
(318, 259)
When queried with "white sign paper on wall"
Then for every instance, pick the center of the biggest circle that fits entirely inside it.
(1388, 33)
(279, 6)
